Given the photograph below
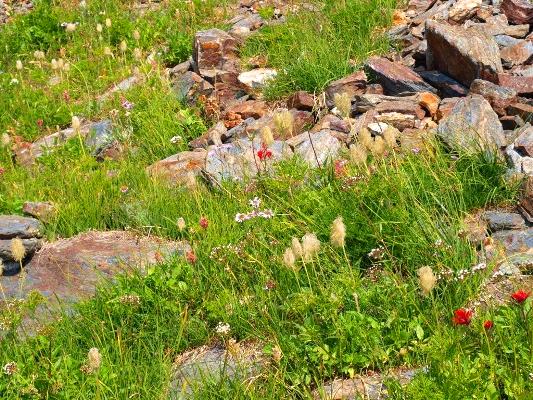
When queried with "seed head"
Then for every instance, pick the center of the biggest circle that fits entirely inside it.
(338, 232)
(181, 223)
(5, 140)
(343, 103)
(266, 136)
(38, 54)
(310, 246)
(95, 359)
(365, 138)
(10, 368)
(426, 280)
(223, 328)
(390, 135)
(284, 123)
(99, 28)
(297, 249)
(54, 64)
(60, 63)
(76, 124)
(378, 147)
(136, 34)
(137, 53)
(108, 22)
(358, 154)
(123, 46)
(17, 249)
(288, 258)
(276, 354)
(70, 27)
(19, 65)
(108, 52)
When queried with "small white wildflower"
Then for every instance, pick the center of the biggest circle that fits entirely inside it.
(266, 213)
(70, 27)
(38, 54)
(255, 202)
(14, 81)
(181, 223)
(222, 328)
(175, 139)
(10, 368)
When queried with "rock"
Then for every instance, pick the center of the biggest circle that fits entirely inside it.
(518, 11)
(239, 161)
(216, 56)
(249, 109)
(463, 10)
(521, 84)
(316, 148)
(70, 269)
(215, 364)
(122, 86)
(30, 247)
(42, 210)
(215, 135)
(402, 107)
(463, 54)
(397, 78)
(371, 386)
(180, 69)
(499, 97)
(447, 86)
(300, 121)
(257, 78)
(398, 120)
(245, 25)
(416, 7)
(517, 54)
(511, 122)
(429, 101)
(333, 123)
(506, 40)
(181, 169)
(14, 226)
(522, 70)
(472, 125)
(527, 165)
(374, 88)
(100, 138)
(515, 241)
(190, 86)
(446, 106)
(514, 158)
(377, 128)
(524, 111)
(301, 100)
(352, 85)
(526, 200)
(499, 221)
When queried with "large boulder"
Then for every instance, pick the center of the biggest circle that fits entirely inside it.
(519, 53)
(396, 78)
(472, 125)
(181, 169)
(464, 54)
(14, 226)
(316, 148)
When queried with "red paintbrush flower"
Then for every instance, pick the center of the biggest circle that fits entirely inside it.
(520, 296)
(488, 324)
(204, 223)
(191, 257)
(462, 316)
(264, 153)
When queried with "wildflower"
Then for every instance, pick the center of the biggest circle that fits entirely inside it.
(66, 96)
(266, 136)
(415, 150)
(343, 103)
(126, 105)
(191, 257)
(130, 300)
(426, 280)
(40, 122)
(264, 153)
(14, 81)
(70, 27)
(240, 217)
(60, 63)
(124, 189)
(83, 4)
(5, 140)
(222, 328)
(181, 223)
(462, 316)
(17, 249)
(488, 324)
(66, 67)
(136, 35)
(288, 258)
(339, 168)
(39, 55)
(338, 232)
(255, 202)
(10, 368)
(76, 124)
(95, 359)
(403, 352)
(266, 214)
(123, 46)
(204, 223)
(19, 65)
(284, 122)
(270, 285)
(108, 23)
(297, 248)
(520, 296)
(310, 246)
(376, 253)
(2, 170)
(53, 64)
(137, 53)
(99, 28)
(358, 154)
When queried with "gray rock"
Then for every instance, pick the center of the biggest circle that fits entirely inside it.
(12, 226)
(316, 148)
(524, 142)
(463, 54)
(499, 221)
(472, 125)
(257, 78)
(100, 137)
(30, 245)
(447, 86)
(515, 241)
(189, 86)
(506, 40)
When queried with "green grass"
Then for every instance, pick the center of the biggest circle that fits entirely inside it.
(337, 315)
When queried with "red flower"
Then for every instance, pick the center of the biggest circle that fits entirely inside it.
(462, 316)
(191, 257)
(340, 168)
(488, 324)
(40, 123)
(204, 223)
(264, 153)
(2, 170)
(520, 296)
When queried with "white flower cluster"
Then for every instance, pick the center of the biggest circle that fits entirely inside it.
(255, 203)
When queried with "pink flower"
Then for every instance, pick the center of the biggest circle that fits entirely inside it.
(204, 223)
(191, 257)
(124, 189)
(40, 123)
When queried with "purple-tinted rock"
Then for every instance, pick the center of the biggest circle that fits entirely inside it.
(499, 97)
(499, 221)
(518, 11)
(447, 86)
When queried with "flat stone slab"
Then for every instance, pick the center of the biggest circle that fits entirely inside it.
(69, 269)
(515, 241)
(215, 363)
(499, 221)
(12, 226)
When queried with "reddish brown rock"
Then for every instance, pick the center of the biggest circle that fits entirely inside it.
(446, 106)
(396, 78)
(499, 97)
(521, 84)
(520, 53)
(524, 111)
(430, 102)
(216, 56)
(301, 100)
(352, 85)
(41, 210)
(401, 107)
(447, 86)
(524, 142)
(333, 123)
(419, 6)
(374, 88)
(526, 202)
(249, 109)
(463, 54)
(181, 169)
(518, 11)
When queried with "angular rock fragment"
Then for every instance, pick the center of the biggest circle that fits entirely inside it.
(42, 210)
(462, 10)
(524, 142)
(190, 86)
(316, 148)
(524, 111)
(526, 200)
(472, 125)
(257, 78)
(249, 109)
(352, 85)
(518, 11)
(463, 54)
(216, 56)
(499, 97)
(397, 78)
(521, 84)
(181, 169)
(499, 221)
(447, 86)
(515, 241)
(15, 226)
(519, 53)
(301, 100)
